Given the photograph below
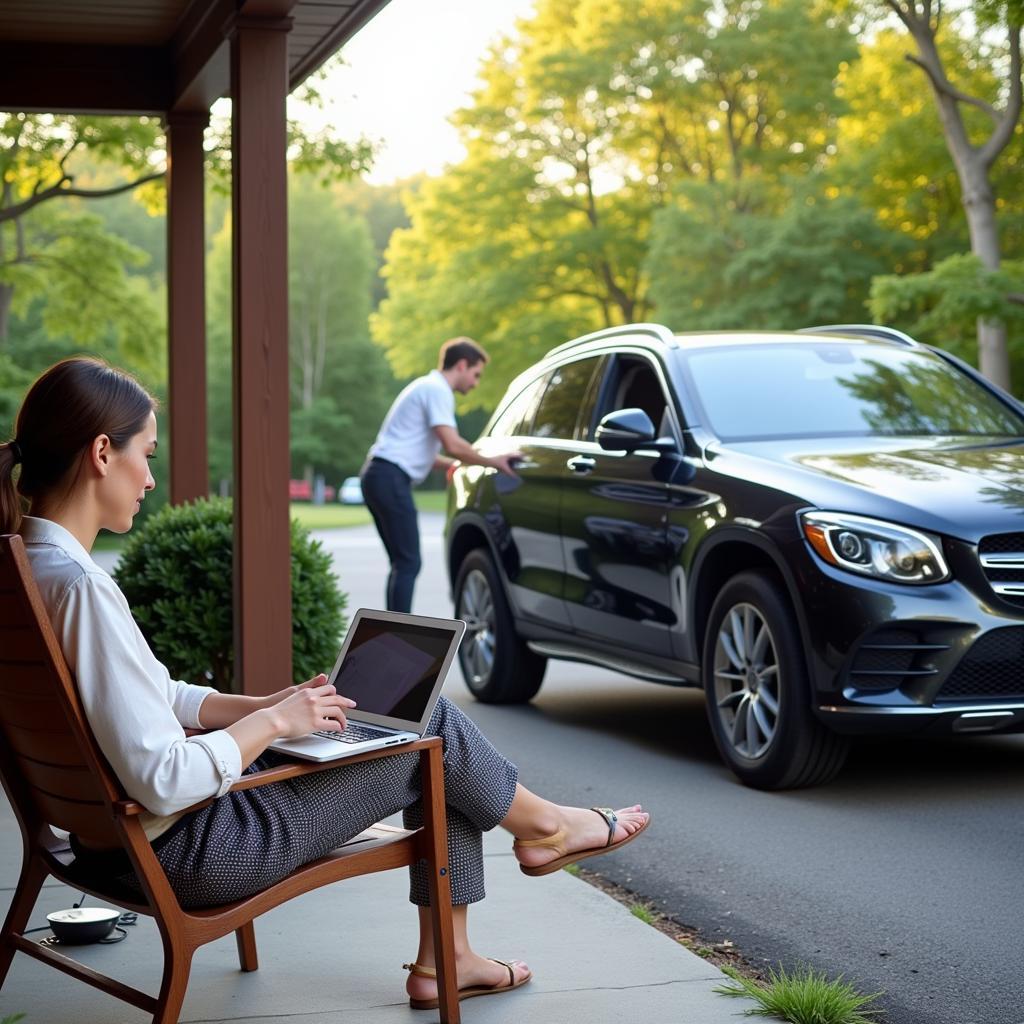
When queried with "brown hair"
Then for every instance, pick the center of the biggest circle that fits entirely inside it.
(460, 348)
(69, 406)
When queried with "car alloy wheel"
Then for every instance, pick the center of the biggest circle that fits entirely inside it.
(477, 608)
(746, 675)
(497, 664)
(754, 674)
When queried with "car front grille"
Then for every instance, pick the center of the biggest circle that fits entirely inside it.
(991, 670)
(1002, 561)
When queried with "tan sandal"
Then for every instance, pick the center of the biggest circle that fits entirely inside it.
(556, 841)
(470, 991)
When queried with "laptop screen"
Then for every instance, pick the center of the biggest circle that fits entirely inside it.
(389, 668)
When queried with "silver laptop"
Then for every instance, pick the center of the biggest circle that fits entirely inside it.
(393, 666)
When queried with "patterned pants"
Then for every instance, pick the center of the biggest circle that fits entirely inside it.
(248, 840)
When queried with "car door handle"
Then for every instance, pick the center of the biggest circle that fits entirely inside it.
(581, 463)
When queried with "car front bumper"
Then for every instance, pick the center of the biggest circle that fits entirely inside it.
(885, 658)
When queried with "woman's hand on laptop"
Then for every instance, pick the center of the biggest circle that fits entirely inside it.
(313, 706)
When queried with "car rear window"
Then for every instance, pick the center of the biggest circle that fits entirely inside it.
(832, 389)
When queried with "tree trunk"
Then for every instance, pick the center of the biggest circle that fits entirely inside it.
(973, 162)
(980, 207)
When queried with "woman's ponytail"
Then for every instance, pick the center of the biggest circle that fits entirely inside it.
(10, 502)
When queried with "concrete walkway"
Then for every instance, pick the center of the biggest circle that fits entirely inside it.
(335, 956)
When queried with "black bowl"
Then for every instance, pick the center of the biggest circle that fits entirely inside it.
(83, 924)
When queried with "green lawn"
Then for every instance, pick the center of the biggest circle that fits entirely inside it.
(329, 517)
(319, 517)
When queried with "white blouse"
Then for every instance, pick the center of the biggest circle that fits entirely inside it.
(138, 714)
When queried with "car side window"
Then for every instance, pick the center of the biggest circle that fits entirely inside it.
(517, 417)
(559, 408)
(632, 383)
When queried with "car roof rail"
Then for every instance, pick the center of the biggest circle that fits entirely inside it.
(874, 331)
(657, 331)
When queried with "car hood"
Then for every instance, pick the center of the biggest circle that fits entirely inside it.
(954, 486)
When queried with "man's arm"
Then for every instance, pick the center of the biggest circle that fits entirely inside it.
(459, 448)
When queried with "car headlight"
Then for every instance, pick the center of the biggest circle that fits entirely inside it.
(875, 548)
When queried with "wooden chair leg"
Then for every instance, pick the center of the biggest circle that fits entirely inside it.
(436, 830)
(177, 967)
(33, 874)
(246, 939)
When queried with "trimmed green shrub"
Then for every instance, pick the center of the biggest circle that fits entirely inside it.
(175, 572)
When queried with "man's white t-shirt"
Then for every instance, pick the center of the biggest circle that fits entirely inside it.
(406, 436)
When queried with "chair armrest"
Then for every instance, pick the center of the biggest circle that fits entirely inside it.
(130, 808)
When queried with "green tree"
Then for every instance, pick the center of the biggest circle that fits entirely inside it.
(340, 382)
(891, 155)
(990, 35)
(942, 306)
(588, 122)
(811, 262)
(46, 157)
(46, 246)
(382, 208)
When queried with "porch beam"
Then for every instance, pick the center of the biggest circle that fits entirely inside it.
(262, 563)
(84, 79)
(186, 306)
(201, 54)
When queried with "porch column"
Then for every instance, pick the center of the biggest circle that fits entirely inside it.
(186, 306)
(262, 568)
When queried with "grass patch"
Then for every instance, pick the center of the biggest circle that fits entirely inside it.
(572, 869)
(334, 515)
(644, 913)
(329, 517)
(431, 501)
(804, 997)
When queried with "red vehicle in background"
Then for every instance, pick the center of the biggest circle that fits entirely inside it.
(302, 490)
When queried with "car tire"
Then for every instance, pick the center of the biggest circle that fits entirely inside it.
(497, 665)
(758, 696)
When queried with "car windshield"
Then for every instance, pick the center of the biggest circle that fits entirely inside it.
(829, 389)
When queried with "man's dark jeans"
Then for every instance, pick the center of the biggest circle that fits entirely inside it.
(387, 491)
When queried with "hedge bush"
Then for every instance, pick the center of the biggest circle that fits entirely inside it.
(176, 573)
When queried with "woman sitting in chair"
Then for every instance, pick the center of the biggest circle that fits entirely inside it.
(85, 435)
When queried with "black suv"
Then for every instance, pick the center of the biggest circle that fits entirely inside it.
(823, 529)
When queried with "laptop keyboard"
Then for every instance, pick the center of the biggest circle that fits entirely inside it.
(353, 734)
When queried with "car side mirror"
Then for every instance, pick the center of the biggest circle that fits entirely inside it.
(630, 430)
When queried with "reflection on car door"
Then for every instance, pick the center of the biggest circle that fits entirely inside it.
(524, 515)
(614, 523)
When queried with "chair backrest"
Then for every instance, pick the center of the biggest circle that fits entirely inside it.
(53, 771)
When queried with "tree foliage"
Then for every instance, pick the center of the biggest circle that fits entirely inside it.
(716, 164)
(339, 380)
(50, 249)
(979, 120)
(596, 121)
(810, 262)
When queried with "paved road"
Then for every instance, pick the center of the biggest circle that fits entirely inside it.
(906, 873)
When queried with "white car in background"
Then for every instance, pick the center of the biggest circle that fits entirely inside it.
(351, 491)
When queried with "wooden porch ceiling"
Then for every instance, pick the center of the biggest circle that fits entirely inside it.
(151, 56)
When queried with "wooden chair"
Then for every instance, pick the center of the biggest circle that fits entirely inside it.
(56, 778)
